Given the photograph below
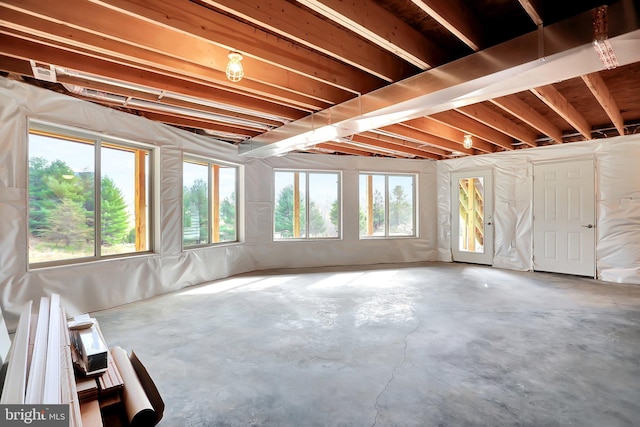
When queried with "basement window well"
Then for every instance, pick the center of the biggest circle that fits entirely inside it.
(209, 202)
(387, 205)
(306, 205)
(89, 196)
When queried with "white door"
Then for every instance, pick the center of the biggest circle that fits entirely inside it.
(472, 216)
(564, 217)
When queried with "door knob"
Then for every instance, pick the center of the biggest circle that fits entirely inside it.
(588, 226)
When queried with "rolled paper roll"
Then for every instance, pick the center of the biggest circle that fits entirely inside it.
(136, 403)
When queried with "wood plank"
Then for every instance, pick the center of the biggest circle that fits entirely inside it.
(558, 103)
(140, 199)
(68, 383)
(455, 17)
(388, 137)
(51, 387)
(37, 370)
(259, 47)
(286, 19)
(601, 92)
(13, 390)
(518, 108)
(91, 415)
(488, 117)
(467, 125)
(372, 21)
(528, 7)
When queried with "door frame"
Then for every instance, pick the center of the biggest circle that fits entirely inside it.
(595, 207)
(485, 257)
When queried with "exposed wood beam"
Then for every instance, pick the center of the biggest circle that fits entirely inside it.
(409, 151)
(17, 48)
(455, 17)
(197, 123)
(601, 92)
(373, 22)
(113, 33)
(558, 103)
(343, 148)
(283, 85)
(402, 130)
(528, 7)
(486, 116)
(257, 46)
(294, 23)
(468, 125)
(520, 109)
(394, 139)
(403, 146)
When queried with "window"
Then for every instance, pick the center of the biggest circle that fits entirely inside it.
(88, 196)
(209, 202)
(387, 205)
(307, 205)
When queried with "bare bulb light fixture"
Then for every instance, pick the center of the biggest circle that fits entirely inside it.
(468, 142)
(234, 69)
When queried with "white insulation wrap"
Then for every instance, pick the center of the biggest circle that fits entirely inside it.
(617, 202)
(101, 284)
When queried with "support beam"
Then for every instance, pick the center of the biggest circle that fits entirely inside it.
(373, 22)
(488, 117)
(292, 22)
(520, 109)
(296, 204)
(178, 120)
(455, 17)
(558, 103)
(600, 91)
(140, 197)
(528, 7)
(369, 205)
(396, 139)
(215, 203)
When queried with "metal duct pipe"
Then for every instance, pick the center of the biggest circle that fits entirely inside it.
(511, 67)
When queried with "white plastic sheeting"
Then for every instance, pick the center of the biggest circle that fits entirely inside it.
(101, 284)
(618, 203)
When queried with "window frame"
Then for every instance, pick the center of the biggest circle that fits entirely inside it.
(414, 196)
(209, 162)
(96, 139)
(307, 202)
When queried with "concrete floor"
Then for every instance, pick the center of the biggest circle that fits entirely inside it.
(429, 344)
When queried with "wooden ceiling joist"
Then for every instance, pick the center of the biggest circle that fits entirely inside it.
(470, 126)
(488, 117)
(376, 24)
(435, 141)
(404, 147)
(258, 47)
(600, 91)
(558, 103)
(455, 17)
(529, 7)
(343, 148)
(26, 50)
(395, 139)
(292, 22)
(523, 111)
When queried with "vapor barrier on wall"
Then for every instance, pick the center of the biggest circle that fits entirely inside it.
(617, 203)
(101, 284)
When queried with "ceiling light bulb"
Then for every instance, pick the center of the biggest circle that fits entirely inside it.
(468, 142)
(234, 69)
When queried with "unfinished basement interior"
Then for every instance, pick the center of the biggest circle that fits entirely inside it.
(320, 213)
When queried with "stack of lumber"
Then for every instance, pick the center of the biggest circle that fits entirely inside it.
(40, 370)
